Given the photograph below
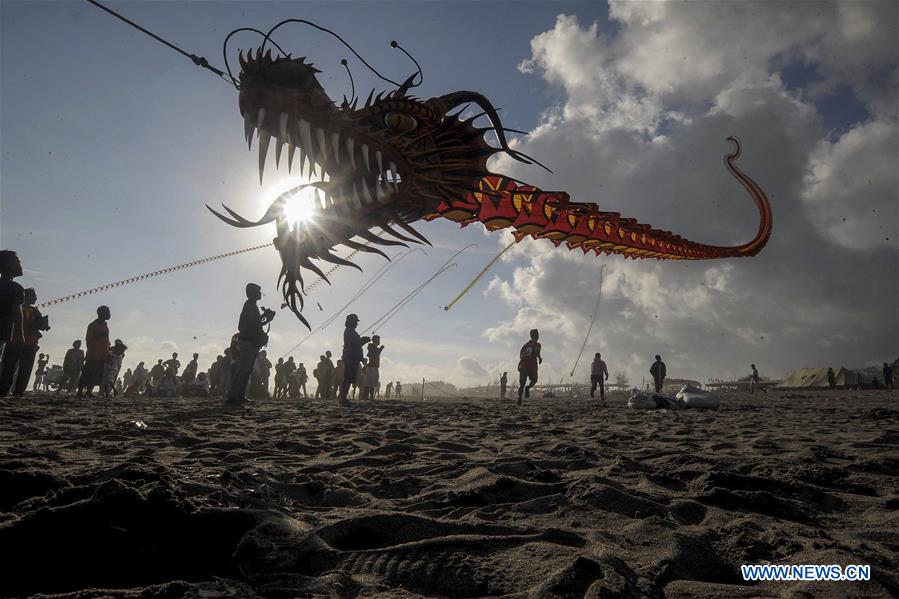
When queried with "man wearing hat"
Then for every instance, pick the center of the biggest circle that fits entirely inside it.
(352, 355)
(250, 339)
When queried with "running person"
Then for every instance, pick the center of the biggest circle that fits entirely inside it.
(528, 359)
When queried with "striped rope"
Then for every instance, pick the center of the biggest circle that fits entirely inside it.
(478, 277)
(149, 275)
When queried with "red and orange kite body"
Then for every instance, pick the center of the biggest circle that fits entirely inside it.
(398, 159)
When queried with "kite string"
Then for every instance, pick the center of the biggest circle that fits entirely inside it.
(385, 318)
(148, 275)
(371, 281)
(197, 60)
(592, 321)
(170, 269)
(442, 268)
(475, 280)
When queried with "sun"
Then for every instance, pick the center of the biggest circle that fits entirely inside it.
(300, 207)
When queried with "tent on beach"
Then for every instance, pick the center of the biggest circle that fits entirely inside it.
(816, 378)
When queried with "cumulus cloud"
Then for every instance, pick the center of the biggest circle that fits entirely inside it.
(850, 187)
(471, 367)
(640, 130)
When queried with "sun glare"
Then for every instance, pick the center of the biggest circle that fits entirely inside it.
(300, 207)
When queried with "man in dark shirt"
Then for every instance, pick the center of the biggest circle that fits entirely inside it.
(12, 296)
(71, 367)
(328, 378)
(887, 377)
(372, 375)
(18, 358)
(528, 359)
(172, 365)
(657, 370)
(352, 355)
(190, 371)
(250, 339)
(156, 373)
(40, 371)
(599, 374)
(754, 379)
(97, 341)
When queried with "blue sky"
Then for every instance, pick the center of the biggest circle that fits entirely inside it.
(112, 144)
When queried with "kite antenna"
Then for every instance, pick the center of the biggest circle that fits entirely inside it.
(343, 61)
(409, 82)
(333, 34)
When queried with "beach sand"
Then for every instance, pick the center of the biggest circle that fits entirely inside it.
(558, 498)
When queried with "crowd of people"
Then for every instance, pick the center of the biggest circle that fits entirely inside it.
(241, 372)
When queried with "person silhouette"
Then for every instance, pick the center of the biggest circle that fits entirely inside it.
(352, 355)
(658, 372)
(72, 364)
(97, 341)
(528, 359)
(12, 297)
(250, 339)
(599, 374)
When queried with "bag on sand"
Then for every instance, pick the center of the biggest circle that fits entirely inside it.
(697, 398)
(641, 400)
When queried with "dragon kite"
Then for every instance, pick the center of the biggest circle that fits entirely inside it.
(398, 159)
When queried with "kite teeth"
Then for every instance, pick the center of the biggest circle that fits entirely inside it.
(366, 194)
(248, 127)
(283, 124)
(306, 137)
(356, 201)
(365, 157)
(323, 146)
(335, 143)
(349, 150)
(264, 138)
(290, 152)
(394, 175)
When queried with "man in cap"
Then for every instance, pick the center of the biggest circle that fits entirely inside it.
(250, 339)
(352, 355)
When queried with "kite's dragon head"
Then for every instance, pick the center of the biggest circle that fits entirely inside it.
(387, 163)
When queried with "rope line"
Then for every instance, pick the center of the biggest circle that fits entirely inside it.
(148, 275)
(592, 321)
(475, 280)
(365, 286)
(385, 318)
(170, 269)
(443, 267)
(197, 60)
(444, 391)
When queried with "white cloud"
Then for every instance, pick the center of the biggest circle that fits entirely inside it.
(851, 187)
(640, 130)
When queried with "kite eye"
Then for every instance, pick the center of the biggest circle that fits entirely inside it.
(400, 122)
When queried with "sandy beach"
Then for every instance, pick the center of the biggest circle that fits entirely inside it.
(559, 498)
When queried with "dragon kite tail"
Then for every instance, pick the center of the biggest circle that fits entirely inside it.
(398, 159)
(504, 203)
